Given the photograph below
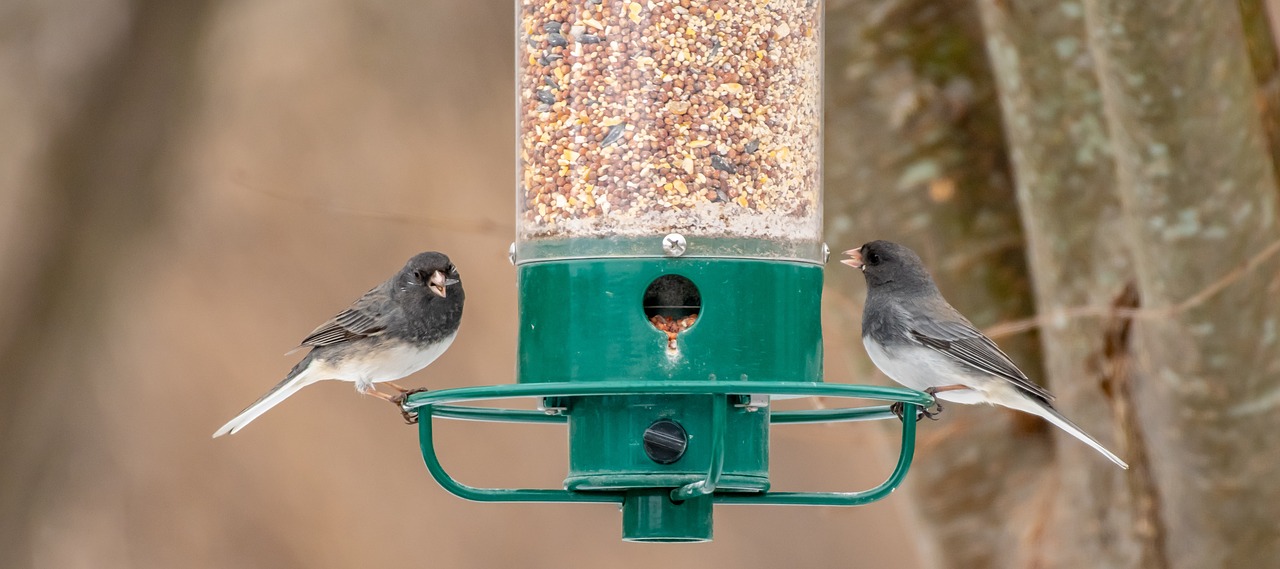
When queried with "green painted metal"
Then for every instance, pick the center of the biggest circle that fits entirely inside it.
(606, 450)
(710, 482)
(428, 403)
(566, 307)
(760, 320)
(649, 515)
(798, 417)
(589, 353)
(905, 454)
(647, 387)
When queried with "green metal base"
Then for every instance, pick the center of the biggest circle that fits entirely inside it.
(612, 426)
(648, 511)
(651, 516)
(667, 422)
(584, 320)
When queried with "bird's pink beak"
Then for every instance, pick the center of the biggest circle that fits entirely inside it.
(855, 259)
(437, 283)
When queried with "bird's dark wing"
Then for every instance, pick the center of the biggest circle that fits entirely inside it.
(961, 341)
(365, 317)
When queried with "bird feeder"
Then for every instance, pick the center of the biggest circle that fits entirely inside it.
(669, 257)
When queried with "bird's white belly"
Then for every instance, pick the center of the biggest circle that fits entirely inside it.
(392, 362)
(920, 368)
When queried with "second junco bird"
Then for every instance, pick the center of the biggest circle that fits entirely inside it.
(916, 338)
(395, 329)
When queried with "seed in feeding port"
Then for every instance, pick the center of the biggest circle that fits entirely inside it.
(557, 40)
(551, 82)
(719, 163)
(614, 134)
(552, 26)
(589, 38)
(546, 97)
(752, 146)
(673, 327)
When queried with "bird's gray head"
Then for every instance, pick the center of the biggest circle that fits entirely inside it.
(431, 271)
(890, 266)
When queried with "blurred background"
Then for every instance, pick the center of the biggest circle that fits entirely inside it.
(188, 187)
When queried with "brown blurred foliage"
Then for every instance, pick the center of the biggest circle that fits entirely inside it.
(187, 188)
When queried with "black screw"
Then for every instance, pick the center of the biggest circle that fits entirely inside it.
(665, 441)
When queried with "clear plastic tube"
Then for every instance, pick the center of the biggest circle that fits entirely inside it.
(642, 118)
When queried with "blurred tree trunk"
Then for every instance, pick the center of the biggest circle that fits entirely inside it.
(1054, 119)
(101, 173)
(1199, 193)
(1159, 225)
(1259, 35)
(914, 154)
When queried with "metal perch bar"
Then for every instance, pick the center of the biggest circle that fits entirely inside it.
(719, 405)
(431, 404)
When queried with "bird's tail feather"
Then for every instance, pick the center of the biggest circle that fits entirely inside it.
(298, 378)
(1053, 416)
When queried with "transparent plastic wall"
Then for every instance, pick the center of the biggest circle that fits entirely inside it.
(641, 118)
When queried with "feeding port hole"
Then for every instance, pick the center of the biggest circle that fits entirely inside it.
(672, 304)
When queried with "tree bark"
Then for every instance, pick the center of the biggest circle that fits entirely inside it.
(913, 154)
(1199, 194)
(1260, 37)
(1065, 176)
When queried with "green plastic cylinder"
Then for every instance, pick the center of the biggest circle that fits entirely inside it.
(607, 450)
(651, 516)
(584, 320)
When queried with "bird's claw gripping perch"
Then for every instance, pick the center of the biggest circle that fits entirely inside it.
(931, 415)
(933, 392)
(410, 417)
(898, 408)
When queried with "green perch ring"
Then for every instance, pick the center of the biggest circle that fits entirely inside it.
(656, 425)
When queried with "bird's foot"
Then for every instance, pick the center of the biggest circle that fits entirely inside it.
(410, 417)
(371, 390)
(932, 391)
(931, 415)
(899, 408)
(937, 405)
(896, 409)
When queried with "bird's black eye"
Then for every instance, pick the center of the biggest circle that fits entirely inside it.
(452, 269)
(873, 258)
(421, 277)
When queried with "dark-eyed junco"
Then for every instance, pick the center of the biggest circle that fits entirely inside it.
(916, 338)
(395, 329)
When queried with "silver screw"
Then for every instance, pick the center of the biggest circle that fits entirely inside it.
(826, 253)
(511, 253)
(674, 245)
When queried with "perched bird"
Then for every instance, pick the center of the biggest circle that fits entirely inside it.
(395, 329)
(916, 338)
